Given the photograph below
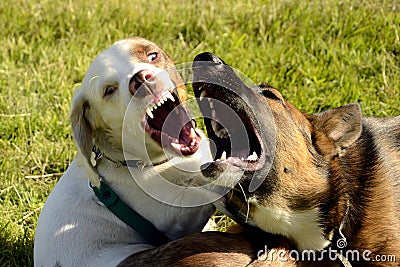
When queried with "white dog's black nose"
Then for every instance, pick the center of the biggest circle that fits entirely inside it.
(143, 83)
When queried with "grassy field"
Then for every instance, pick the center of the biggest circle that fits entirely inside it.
(320, 54)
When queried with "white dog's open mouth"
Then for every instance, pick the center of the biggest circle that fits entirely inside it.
(168, 123)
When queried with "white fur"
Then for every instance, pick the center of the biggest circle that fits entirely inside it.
(300, 226)
(73, 228)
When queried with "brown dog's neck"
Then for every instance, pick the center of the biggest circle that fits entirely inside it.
(361, 197)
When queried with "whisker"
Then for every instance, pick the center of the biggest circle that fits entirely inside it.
(247, 202)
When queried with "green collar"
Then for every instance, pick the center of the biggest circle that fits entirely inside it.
(126, 214)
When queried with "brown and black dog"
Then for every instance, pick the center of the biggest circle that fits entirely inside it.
(326, 184)
(328, 181)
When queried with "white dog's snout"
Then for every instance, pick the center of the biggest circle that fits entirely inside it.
(155, 80)
(144, 76)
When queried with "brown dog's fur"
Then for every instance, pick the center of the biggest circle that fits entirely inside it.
(237, 248)
(352, 159)
(345, 167)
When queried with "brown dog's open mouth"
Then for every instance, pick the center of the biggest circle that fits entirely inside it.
(235, 137)
(238, 123)
(168, 123)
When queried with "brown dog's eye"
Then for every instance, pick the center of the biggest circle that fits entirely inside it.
(110, 90)
(152, 56)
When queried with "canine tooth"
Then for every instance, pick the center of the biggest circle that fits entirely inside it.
(214, 125)
(202, 95)
(253, 157)
(170, 96)
(213, 112)
(149, 113)
(221, 133)
(223, 156)
(176, 146)
(192, 133)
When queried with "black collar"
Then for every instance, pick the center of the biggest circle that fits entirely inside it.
(135, 163)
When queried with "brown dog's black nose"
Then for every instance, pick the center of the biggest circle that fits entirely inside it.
(146, 78)
(208, 56)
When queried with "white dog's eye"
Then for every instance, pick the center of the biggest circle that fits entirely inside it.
(110, 90)
(152, 56)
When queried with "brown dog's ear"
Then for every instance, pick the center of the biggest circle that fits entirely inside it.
(342, 126)
(83, 135)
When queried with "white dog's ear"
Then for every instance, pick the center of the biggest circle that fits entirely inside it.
(83, 133)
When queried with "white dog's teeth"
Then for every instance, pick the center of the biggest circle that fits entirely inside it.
(154, 107)
(176, 146)
(149, 113)
(158, 103)
(223, 156)
(192, 133)
(252, 157)
(170, 96)
(202, 95)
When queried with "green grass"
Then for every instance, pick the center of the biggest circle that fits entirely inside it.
(320, 55)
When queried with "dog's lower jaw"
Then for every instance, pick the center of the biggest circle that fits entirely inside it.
(302, 227)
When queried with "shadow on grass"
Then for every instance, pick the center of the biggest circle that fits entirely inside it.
(15, 251)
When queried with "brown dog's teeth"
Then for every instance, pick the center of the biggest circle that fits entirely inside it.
(222, 133)
(223, 156)
(253, 157)
(214, 125)
(202, 95)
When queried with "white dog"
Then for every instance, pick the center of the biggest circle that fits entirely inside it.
(119, 113)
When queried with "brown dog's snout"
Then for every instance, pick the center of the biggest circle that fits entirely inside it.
(143, 82)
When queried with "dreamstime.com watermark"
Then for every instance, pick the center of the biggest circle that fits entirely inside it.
(331, 254)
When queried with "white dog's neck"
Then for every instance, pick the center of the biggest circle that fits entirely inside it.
(116, 155)
(126, 181)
